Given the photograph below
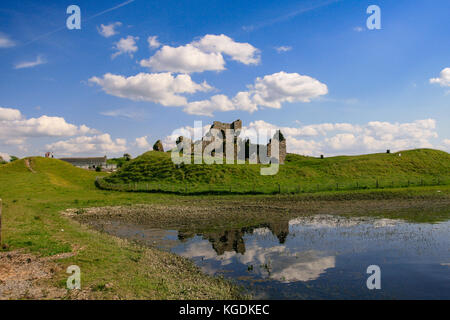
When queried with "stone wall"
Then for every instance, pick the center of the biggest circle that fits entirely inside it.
(278, 138)
(235, 125)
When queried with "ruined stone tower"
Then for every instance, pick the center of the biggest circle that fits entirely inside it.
(236, 126)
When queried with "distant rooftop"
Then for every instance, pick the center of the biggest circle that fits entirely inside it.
(89, 160)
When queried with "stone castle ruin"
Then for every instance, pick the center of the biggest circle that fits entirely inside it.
(225, 138)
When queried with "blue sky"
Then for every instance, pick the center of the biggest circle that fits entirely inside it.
(311, 68)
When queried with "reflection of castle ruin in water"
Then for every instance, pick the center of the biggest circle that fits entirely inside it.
(233, 240)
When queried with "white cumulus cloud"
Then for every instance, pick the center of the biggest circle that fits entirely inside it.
(162, 88)
(270, 91)
(345, 138)
(184, 59)
(125, 46)
(142, 143)
(14, 125)
(218, 102)
(238, 51)
(446, 145)
(205, 54)
(109, 29)
(153, 42)
(16, 130)
(98, 144)
(444, 78)
(9, 114)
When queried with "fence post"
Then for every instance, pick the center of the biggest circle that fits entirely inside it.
(0, 222)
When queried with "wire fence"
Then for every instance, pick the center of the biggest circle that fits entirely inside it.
(272, 188)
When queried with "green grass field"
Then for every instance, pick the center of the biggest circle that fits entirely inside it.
(35, 194)
(32, 202)
(155, 171)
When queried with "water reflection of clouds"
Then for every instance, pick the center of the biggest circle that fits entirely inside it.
(274, 262)
(262, 231)
(305, 266)
(199, 249)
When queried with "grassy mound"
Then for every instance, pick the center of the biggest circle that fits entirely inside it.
(412, 167)
(39, 174)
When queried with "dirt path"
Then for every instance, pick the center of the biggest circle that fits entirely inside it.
(28, 165)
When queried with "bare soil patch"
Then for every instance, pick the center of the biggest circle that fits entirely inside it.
(27, 276)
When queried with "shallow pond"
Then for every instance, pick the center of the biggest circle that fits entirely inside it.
(316, 257)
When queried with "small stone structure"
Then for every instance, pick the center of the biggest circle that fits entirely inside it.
(158, 146)
(251, 151)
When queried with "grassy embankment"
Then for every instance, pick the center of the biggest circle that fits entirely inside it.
(155, 171)
(33, 200)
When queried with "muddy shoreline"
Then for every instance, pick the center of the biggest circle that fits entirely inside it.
(237, 213)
